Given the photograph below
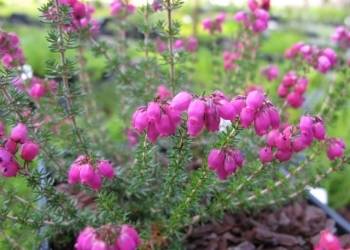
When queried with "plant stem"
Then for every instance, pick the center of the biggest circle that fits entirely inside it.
(278, 183)
(66, 88)
(146, 33)
(170, 46)
(306, 183)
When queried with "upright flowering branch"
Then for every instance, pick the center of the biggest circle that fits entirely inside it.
(62, 47)
(171, 34)
(146, 32)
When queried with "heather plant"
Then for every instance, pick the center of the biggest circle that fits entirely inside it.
(191, 155)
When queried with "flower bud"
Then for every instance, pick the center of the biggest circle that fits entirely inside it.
(283, 155)
(181, 101)
(5, 156)
(153, 112)
(10, 169)
(262, 123)
(319, 131)
(163, 92)
(295, 100)
(37, 91)
(306, 123)
(336, 148)
(212, 119)
(275, 119)
(265, 155)
(323, 64)
(95, 183)
(255, 99)
(230, 164)
(86, 173)
(299, 144)
(74, 174)
(126, 229)
(19, 133)
(11, 146)
(272, 137)
(29, 151)
(105, 169)
(152, 132)
(238, 103)
(140, 120)
(328, 242)
(195, 122)
(226, 110)
(247, 116)
(216, 159)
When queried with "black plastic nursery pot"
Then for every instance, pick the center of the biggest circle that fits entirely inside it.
(342, 225)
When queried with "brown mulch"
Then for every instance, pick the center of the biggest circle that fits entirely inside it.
(293, 227)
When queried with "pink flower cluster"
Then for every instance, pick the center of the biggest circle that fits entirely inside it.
(157, 5)
(214, 25)
(283, 142)
(161, 117)
(122, 8)
(230, 58)
(341, 37)
(18, 139)
(292, 88)
(225, 162)
(11, 53)
(190, 45)
(108, 237)
(83, 170)
(322, 60)
(81, 17)
(158, 119)
(257, 110)
(336, 148)
(163, 92)
(328, 241)
(271, 72)
(263, 4)
(257, 19)
(36, 87)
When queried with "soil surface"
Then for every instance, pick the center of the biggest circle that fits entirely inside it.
(294, 227)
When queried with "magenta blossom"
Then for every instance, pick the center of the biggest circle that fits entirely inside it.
(121, 9)
(322, 60)
(83, 171)
(108, 237)
(292, 89)
(11, 54)
(328, 241)
(341, 37)
(214, 25)
(271, 72)
(336, 148)
(256, 19)
(225, 162)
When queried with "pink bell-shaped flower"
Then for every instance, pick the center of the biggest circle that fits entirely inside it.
(19, 133)
(29, 151)
(106, 169)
